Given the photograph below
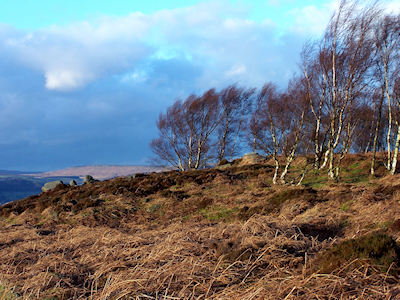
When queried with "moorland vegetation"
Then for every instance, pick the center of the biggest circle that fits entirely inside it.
(226, 233)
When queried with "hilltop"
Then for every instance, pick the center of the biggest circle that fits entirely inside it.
(207, 234)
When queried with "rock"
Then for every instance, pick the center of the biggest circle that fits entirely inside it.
(131, 176)
(73, 183)
(152, 208)
(252, 158)
(223, 164)
(223, 167)
(90, 179)
(51, 185)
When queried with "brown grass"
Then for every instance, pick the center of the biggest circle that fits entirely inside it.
(214, 234)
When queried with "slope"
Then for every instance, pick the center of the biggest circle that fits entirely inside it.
(209, 234)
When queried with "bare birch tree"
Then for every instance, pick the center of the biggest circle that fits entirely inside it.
(281, 124)
(341, 63)
(235, 104)
(396, 98)
(387, 39)
(169, 146)
(185, 132)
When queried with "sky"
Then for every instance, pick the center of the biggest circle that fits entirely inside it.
(83, 82)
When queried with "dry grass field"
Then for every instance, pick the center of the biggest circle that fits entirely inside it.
(208, 234)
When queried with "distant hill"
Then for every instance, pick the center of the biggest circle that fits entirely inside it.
(8, 172)
(101, 172)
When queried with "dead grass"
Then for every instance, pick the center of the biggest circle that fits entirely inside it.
(215, 234)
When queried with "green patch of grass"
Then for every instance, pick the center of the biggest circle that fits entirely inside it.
(385, 225)
(6, 293)
(346, 206)
(315, 179)
(378, 249)
(363, 178)
(354, 173)
(354, 167)
(11, 221)
(344, 223)
(279, 198)
(217, 213)
(382, 225)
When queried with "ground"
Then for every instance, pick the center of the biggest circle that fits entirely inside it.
(208, 234)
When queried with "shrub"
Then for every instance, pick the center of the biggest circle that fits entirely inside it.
(376, 248)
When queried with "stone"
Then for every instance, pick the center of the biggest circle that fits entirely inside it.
(223, 164)
(152, 208)
(90, 179)
(223, 167)
(51, 185)
(73, 183)
(252, 158)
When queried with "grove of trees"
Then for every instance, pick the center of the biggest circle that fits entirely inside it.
(344, 98)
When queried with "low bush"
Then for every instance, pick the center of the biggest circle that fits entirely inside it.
(377, 249)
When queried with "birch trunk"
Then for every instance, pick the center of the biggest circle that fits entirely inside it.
(396, 150)
(378, 124)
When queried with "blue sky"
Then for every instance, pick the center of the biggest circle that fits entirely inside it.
(83, 82)
(35, 14)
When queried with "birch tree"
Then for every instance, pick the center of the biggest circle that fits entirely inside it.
(387, 68)
(341, 62)
(186, 130)
(235, 104)
(278, 126)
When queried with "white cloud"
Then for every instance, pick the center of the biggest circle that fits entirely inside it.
(274, 2)
(236, 70)
(71, 57)
(214, 34)
(65, 80)
(393, 7)
(311, 20)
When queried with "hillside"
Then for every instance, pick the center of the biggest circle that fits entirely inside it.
(101, 172)
(208, 234)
